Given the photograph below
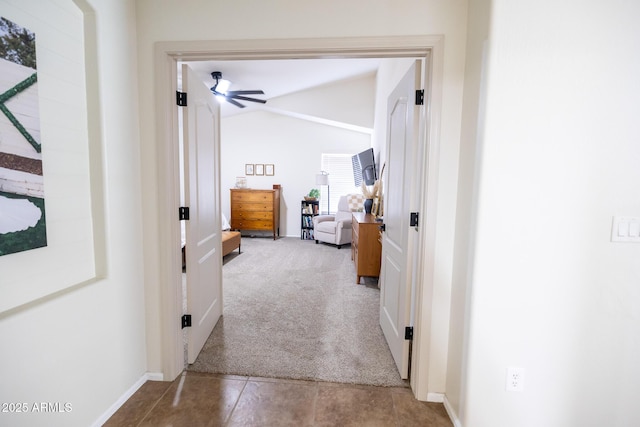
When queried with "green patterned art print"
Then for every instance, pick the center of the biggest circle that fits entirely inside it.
(22, 213)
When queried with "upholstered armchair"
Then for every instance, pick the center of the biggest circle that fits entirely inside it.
(336, 228)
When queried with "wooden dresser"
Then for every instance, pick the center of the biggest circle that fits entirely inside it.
(366, 249)
(256, 209)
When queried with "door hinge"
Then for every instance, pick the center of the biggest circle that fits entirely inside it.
(413, 220)
(408, 333)
(183, 213)
(420, 97)
(181, 98)
(186, 321)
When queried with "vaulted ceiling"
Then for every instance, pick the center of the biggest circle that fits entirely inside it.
(280, 77)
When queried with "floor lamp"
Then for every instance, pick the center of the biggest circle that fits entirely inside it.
(323, 179)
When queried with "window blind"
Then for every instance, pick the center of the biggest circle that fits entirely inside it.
(340, 171)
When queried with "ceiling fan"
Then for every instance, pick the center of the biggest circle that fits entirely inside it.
(231, 95)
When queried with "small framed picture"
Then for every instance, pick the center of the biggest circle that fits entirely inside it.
(248, 169)
(376, 206)
(259, 170)
(268, 170)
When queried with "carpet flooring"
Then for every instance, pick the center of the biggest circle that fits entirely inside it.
(292, 310)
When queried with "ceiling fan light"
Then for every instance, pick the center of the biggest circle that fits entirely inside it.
(221, 91)
(223, 86)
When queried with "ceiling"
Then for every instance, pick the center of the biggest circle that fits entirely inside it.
(280, 77)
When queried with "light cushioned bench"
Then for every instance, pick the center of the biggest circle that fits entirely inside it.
(230, 241)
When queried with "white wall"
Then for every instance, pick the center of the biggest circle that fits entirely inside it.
(85, 346)
(294, 146)
(329, 19)
(478, 28)
(560, 156)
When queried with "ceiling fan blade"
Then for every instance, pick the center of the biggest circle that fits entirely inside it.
(234, 102)
(227, 98)
(246, 98)
(244, 92)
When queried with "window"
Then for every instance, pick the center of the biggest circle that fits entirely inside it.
(340, 171)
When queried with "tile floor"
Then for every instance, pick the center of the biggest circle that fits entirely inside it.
(196, 399)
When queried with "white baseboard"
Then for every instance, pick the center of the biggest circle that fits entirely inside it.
(155, 376)
(151, 376)
(435, 397)
(452, 415)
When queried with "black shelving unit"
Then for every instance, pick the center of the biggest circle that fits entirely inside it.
(309, 209)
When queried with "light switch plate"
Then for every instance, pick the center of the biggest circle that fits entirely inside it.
(625, 229)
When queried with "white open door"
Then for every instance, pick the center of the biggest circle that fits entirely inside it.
(395, 278)
(201, 124)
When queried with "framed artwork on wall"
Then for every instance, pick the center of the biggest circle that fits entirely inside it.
(248, 169)
(22, 204)
(268, 170)
(77, 255)
(259, 169)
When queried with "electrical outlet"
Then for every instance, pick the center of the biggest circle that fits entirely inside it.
(515, 379)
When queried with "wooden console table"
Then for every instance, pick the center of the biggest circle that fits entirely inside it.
(366, 249)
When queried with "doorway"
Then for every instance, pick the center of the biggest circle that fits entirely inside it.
(167, 54)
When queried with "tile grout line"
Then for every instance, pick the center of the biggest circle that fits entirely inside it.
(226, 422)
(395, 410)
(315, 405)
(154, 405)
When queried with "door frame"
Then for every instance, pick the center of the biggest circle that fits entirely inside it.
(166, 57)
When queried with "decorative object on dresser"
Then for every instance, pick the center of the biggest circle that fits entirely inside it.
(309, 209)
(256, 209)
(366, 249)
(336, 229)
(375, 209)
(370, 193)
(241, 182)
(373, 195)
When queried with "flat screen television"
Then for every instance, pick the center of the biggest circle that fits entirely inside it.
(364, 168)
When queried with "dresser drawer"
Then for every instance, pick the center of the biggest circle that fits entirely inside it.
(354, 235)
(354, 242)
(251, 207)
(252, 197)
(251, 224)
(251, 214)
(365, 245)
